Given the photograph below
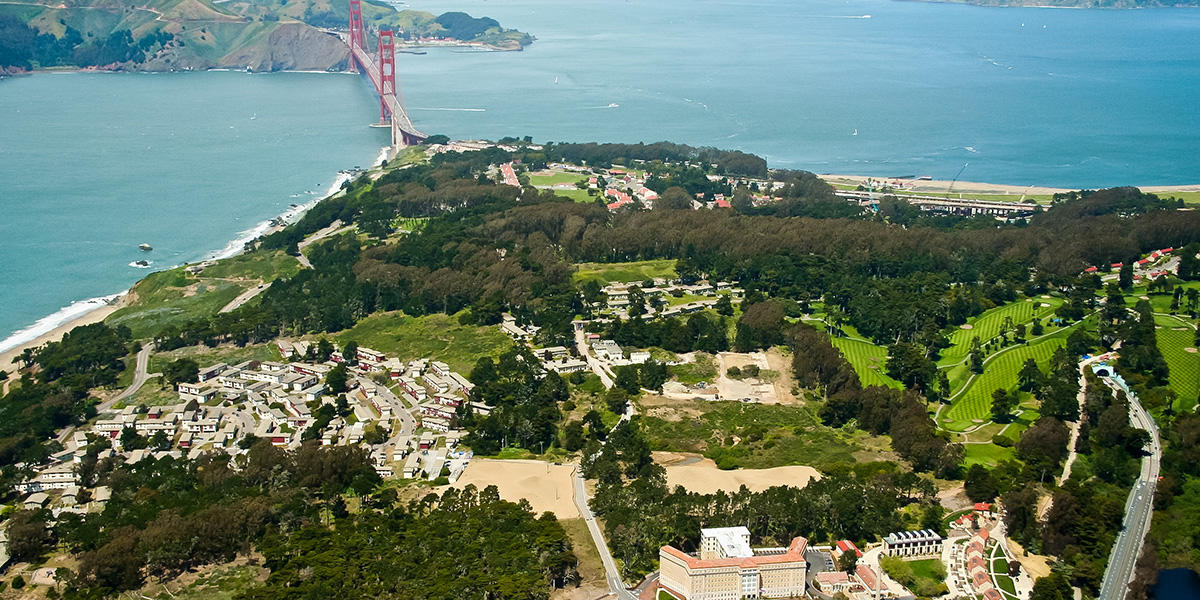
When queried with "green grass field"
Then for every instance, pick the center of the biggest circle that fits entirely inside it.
(557, 178)
(704, 368)
(259, 266)
(221, 583)
(988, 455)
(974, 402)
(987, 325)
(437, 337)
(577, 195)
(869, 361)
(1173, 340)
(604, 273)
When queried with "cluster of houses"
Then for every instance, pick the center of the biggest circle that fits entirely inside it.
(275, 401)
(617, 297)
(1148, 267)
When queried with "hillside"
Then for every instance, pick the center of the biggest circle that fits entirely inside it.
(165, 35)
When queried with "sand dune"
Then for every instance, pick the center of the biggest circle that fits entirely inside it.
(546, 486)
(702, 476)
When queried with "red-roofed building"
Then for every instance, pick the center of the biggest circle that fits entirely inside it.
(1117, 265)
(723, 203)
(727, 568)
(1090, 270)
(844, 546)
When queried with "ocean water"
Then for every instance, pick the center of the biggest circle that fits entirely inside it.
(93, 164)
(1070, 98)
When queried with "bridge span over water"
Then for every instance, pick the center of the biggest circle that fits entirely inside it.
(381, 69)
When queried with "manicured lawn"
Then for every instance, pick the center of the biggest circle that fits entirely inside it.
(604, 273)
(770, 435)
(577, 195)
(557, 178)
(1173, 339)
(975, 401)
(869, 361)
(988, 455)
(987, 325)
(437, 337)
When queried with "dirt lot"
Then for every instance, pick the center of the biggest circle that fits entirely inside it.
(546, 486)
(701, 475)
(750, 387)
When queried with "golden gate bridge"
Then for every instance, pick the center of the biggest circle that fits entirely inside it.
(381, 69)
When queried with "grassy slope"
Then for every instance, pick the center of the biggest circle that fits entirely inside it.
(437, 337)
(625, 272)
(174, 297)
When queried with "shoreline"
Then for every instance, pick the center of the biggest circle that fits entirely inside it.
(942, 186)
(92, 310)
(52, 327)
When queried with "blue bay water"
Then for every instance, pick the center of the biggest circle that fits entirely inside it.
(91, 165)
(1064, 98)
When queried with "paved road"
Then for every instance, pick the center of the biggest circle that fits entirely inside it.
(615, 584)
(244, 297)
(1138, 508)
(592, 361)
(140, 376)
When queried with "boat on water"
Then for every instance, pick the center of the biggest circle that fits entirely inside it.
(145, 247)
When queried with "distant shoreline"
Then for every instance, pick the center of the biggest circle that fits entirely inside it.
(974, 187)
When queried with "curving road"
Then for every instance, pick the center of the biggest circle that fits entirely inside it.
(1138, 508)
(140, 376)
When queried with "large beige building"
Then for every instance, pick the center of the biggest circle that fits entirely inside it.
(729, 569)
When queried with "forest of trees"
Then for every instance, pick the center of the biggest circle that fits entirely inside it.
(169, 515)
(641, 513)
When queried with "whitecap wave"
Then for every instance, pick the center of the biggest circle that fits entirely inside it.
(135, 264)
(49, 323)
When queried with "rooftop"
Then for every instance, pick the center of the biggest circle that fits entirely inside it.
(733, 541)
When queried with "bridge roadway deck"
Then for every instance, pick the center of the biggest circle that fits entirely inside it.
(402, 125)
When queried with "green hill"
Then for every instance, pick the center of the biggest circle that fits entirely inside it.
(165, 35)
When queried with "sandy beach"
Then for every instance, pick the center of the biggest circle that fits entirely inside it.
(547, 487)
(701, 475)
(8, 356)
(974, 187)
